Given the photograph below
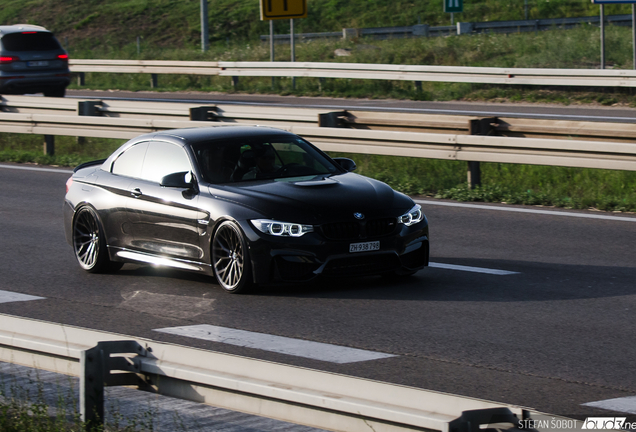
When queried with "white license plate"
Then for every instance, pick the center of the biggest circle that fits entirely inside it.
(364, 247)
(38, 63)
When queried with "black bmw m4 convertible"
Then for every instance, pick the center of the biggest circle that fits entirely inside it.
(247, 205)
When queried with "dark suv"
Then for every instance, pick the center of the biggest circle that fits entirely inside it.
(32, 61)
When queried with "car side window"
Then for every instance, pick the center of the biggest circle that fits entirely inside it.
(130, 162)
(163, 158)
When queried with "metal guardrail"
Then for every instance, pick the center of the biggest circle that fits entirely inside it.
(424, 30)
(477, 75)
(304, 396)
(350, 119)
(541, 142)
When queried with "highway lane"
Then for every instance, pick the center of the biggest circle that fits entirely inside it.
(554, 336)
(619, 114)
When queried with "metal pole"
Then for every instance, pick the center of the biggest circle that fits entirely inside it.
(602, 36)
(271, 46)
(452, 18)
(204, 25)
(634, 33)
(293, 45)
(525, 6)
(293, 48)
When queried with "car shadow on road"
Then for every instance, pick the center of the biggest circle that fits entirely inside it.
(531, 282)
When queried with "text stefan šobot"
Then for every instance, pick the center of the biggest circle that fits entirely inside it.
(604, 423)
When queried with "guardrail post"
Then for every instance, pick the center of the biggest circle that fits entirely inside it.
(485, 126)
(332, 119)
(418, 86)
(464, 28)
(472, 420)
(203, 113)
(421, 30)
(81, 78)
(153, 81)
(88, 108)
(349, 33)
(235, 81)
(49, 145)
(96, 365)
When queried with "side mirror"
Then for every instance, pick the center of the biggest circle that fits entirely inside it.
(346, 163)
(181, 180)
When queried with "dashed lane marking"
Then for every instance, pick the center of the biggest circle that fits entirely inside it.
(624, 404)
(8, 297)
(471, 269)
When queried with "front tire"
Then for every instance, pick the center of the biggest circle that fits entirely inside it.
(89, 243)
(230, 258)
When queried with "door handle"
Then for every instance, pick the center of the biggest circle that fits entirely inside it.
(136, 192)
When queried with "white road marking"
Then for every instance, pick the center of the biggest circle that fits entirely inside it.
(30, 168)
(278, 344)
(9, 297)
(624, 404)
(523, 210)
(471, 269)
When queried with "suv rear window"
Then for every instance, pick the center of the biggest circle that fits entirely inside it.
(30, 41)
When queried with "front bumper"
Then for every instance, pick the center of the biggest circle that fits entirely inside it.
(278, 259)
(21, 83)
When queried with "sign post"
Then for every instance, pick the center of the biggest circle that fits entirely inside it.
(282, 9)
(602, 4)
(204, 27)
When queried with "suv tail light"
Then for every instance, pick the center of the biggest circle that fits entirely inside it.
(63, 57)
(8, 59)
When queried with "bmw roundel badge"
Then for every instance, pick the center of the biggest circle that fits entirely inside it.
(358, 215)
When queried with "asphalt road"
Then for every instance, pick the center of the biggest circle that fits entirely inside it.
(556, 334)
(618, 114)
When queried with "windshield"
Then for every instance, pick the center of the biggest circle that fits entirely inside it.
(261, 158)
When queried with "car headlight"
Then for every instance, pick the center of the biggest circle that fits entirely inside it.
(414, 216)
(281, 229)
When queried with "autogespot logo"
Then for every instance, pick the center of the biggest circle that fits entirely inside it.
(605, 423)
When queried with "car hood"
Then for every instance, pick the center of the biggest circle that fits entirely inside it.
(321, 198)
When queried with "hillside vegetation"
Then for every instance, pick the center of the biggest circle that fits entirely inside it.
(176, 23)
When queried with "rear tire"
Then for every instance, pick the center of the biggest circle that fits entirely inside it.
(230, 259)
(89, 243)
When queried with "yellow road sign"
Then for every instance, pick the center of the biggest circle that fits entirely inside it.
(283, 9)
